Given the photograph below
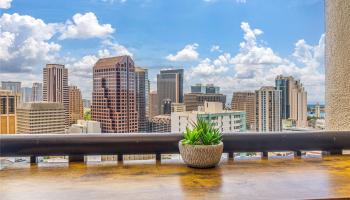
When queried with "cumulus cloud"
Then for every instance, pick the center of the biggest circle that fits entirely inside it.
(25, 42)
(85, 26)
(5, 4)
(186, 54)
(257, 65)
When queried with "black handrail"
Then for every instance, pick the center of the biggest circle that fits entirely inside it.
(164, 143)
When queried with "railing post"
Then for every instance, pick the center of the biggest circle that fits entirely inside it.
(297, 153)
(76, 158)
(231, 155)
(33, 159)
(158, 157)
(120, 157)
(264, 154)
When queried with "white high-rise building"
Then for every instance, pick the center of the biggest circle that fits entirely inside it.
(225, 121)
(37, 92)
(268, 109)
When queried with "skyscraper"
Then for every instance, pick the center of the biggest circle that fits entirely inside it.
(207, 89)
(55, 87)
(293, 100)
(245, 101)
(9, 101)
(142, 93)
(40, 118)
(268, 109)
(76, 110)
(11, 85)
(193, 100)
(170, 86)
(114, 95)
(153, 104)
(37, 92)
(26, 94)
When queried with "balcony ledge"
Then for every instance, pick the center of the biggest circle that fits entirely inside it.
(307, 178)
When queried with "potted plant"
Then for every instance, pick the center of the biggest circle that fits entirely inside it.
(202, 146)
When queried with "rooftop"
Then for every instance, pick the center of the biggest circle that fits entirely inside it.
(307, 178)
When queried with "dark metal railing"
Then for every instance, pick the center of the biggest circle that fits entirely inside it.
(79, 145)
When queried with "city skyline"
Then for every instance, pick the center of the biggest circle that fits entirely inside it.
(241, 55)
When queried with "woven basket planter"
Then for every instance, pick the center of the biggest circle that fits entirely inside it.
(201, 156)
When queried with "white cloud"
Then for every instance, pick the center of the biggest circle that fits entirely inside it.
(5, 4)
(25, 42)
(215, 48)
(241, 1)
(186, 54)
(113, 1)
(116, 48)
(85, 26)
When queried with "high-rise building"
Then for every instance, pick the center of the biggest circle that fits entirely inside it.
(206, 89)
(268, 109)
(41, 118)
(245, 101)
(170, 86)
(37, 92)
(226, 121)
(293, 100)
(11, 85)
(55, 87)
(26, 94)
(165, 106)
(142, 93)
(153, 104)
(160, 124)
(9, 101)
(193, 100)
(114, 95)
(76, 109)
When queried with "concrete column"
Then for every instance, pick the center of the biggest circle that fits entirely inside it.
(337, 64)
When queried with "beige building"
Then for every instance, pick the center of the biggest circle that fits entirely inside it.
(76, 108)
(268, 109)
(178, 107)
(55, 86)
(8, 108)
(293, 100)
(245, 101)
(160, 124)
(40, 118)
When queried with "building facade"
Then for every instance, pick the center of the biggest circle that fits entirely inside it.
(178, 107)
(206, 89)
(41, 118)
(76, 108)
(225, 121)
(170, 86)
(160, 124)
(55, 86)
(9, 101)
(37, 92)
(268, 109)
(153, 104)
(142, 93)
(194, 100)
(245, 101)
(12, 86)
(114, 95)
(293, 100)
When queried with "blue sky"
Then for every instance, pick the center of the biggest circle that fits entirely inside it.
(236, 44)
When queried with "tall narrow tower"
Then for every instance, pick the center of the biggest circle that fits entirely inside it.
(55, 87)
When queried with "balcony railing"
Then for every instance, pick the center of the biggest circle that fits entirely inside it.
(76, 146)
